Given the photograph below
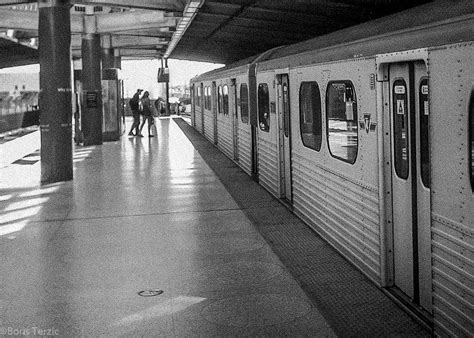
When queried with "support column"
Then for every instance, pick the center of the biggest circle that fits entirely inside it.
(55, 91)
(91, 81)
(108, 60)
(167, 92)
(117, 59)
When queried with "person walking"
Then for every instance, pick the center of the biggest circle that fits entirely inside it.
(147, 114)
(134, 107)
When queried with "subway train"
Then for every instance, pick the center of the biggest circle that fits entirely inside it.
(367, 135)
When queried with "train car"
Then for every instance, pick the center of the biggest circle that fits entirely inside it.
(367, 135)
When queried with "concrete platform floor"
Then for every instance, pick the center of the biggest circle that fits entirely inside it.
(161, 214)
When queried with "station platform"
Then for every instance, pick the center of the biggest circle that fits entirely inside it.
(165, 236)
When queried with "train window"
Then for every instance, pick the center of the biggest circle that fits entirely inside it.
(198, 98)
(263, 107)
(207, 98)
(310, 115)
(225, 99)
(424, 132)
(400, 127)
(244, 103)
(342, 132)
(219, 99)
(471, 136)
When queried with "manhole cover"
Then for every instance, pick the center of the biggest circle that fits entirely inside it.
(150, 293)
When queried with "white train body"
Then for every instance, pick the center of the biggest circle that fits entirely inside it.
(369, 140)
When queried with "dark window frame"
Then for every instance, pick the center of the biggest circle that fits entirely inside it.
(315, 124)
(400, 129)
(225, 99)
(219, 99)
(263, 104)
(244, 103)
(471, 138)
(354, 118)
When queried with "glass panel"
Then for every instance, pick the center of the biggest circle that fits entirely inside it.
(424, 133)
(219, 100)
(341, 107)
(400, 127)
(310, 115)
(471, 136)
(244, 103)
(198, 99)
(263, 107)
(225, 100)
(286, 110)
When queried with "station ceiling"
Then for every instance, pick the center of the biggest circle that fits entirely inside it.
(219, 31)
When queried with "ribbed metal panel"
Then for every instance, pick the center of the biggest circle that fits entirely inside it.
(268, 165)
(453, 276)
(209, 125)
(198, 119)
(245, 148)
(224, 135)
(343, 210)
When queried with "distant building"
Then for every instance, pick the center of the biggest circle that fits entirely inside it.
(18, 82)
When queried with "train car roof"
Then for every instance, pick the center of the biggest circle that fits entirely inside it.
(413, 18)
(421, 16)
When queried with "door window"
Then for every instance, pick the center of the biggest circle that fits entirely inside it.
(244, 103)
(263, 107)
(286, 110)
(424, 132)
(400, 127)
(310, 115)
(471, 136)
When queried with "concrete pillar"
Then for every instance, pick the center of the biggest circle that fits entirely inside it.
(91, 83)
(168, 112)
(55, 91)
(117, 59)
(108, 59)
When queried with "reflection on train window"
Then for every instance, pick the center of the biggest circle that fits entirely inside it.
(263, 107)
(198, 96)
(219, 99)
(471, 136)
(400, 127)
(207, 97)
(341, 108)
(244, 103)
(424, 132)
(225, 99)
(310, 115)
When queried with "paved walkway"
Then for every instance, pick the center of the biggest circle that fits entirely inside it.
(142, 214)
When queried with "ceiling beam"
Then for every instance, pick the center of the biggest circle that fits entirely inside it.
(14, 2)
(165, 5)
(120, 22)
(125, 41)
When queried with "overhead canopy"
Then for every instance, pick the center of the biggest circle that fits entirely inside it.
(220, 31)
(14, 54)
(231, 30)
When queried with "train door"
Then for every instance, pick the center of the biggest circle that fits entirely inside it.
(235, 117)
(283, 98)
(193, 105)
(410, 177)
(202, 107)
(214, 109)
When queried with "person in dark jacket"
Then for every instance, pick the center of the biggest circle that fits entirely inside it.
(147, 113)
(134, 107)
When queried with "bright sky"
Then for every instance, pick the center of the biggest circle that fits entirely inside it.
(143, 73)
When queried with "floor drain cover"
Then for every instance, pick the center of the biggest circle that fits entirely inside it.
(150, 293)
